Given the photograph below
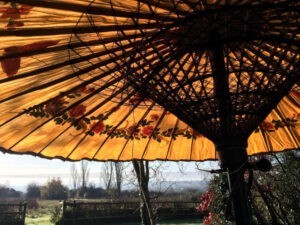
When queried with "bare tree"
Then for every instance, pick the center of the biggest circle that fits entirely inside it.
(142, 172)
(84, 175)
(74, 176)
(119, 176)
(107, 175)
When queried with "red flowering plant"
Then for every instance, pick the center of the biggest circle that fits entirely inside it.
(209, 218)
(213, 202)
(205, 202)
(212, 218)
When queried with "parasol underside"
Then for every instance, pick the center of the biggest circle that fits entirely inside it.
(115, 80)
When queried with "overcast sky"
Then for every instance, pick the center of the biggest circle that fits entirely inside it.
(17, 171)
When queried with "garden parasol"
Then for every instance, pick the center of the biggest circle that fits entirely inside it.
(152, 80)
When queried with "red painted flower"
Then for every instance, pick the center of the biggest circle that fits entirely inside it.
(148, 130)
(55, 106)
(12, 13)
(84, 89)
(77, 111)
(11, 66)
(25, 9)
(15, 13)
(132, 131)
(154, 117)
(267, 126)
(97, 127)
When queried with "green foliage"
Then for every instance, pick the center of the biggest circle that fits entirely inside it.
(280, 191)
(275, 195)
(42, 214)
(56, 215)
(54, 190)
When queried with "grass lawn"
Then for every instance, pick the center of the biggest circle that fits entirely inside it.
(42, 214)
(173, 222)
(42, 220)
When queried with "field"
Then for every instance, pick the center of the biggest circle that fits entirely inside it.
(42, 214)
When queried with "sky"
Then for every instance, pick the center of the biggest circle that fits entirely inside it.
(17, 171)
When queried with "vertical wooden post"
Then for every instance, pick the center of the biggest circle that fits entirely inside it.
(24, 207)
(63, 211)
(74, 209)
(233, 157)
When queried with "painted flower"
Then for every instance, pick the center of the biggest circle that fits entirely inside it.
(25, 9)
(11, 66)
(84, 89)
(15, 13)
(267, 126)
(132, 131)
(11, 13)
(154, 117)
(98, 127)
(148, 130)
(77, 111)
(55, 106)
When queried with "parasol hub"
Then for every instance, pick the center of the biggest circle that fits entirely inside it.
(232, 152)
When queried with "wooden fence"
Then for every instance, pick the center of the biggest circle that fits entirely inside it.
(12, 213)
(78, 212)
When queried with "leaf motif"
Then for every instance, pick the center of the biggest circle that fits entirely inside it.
(58, 120)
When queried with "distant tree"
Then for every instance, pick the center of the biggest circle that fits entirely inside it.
(7, 192)
(33, 191)
(84, 177)
(54, 189)
(141, 169)
(94, 192)
(107, 175)
(119, 167)
(74, 177)
(112, 177)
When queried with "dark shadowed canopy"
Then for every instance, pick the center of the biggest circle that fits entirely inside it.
(148, 79)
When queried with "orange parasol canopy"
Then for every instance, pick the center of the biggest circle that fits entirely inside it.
(98, 79)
